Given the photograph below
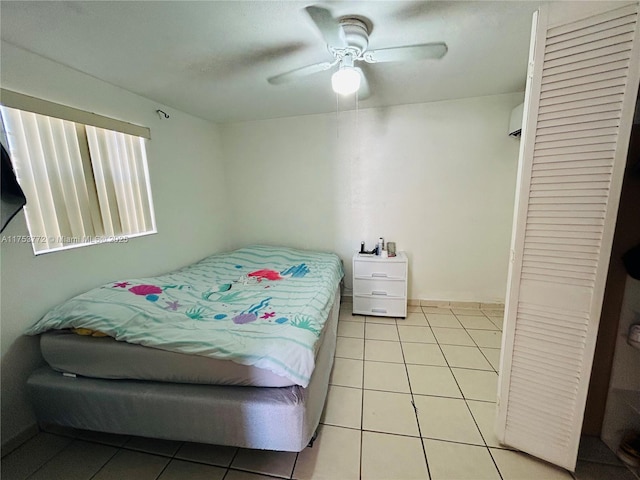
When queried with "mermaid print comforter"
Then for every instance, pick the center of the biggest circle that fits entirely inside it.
(262, 306)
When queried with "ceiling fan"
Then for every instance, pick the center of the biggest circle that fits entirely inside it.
(347, 39)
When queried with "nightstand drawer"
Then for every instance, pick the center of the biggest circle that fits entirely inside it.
(379, 287)
(389, 306)
(379, 269)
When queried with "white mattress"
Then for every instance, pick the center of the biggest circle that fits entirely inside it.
(107, 358)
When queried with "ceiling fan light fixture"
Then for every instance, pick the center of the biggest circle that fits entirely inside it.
(346, 80)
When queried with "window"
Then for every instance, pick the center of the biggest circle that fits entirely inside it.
(84, 184)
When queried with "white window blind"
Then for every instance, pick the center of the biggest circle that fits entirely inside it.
(119, 164)
(83, 184)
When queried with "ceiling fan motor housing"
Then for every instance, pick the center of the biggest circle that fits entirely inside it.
(356, 32)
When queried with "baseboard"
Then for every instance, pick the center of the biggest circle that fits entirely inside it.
(11, 444)
(417, 302)
(456, 304)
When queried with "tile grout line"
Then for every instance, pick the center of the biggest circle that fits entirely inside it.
(295, 461)
(413, 403)
(364, 347)
(33, 437)
(106, 463)
(198, 462)
(52, 457)
(395, 434)
(467, 404)
(177, 450)
(171, 458)
(450, 398)
(476, 343)
(495, 464)
(231, 463)
(500, 327)
(226, 473)
(253, 472)
(491, 369)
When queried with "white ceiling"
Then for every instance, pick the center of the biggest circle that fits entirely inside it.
(212, 58)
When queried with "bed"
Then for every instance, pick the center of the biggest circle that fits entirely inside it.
(236, 349)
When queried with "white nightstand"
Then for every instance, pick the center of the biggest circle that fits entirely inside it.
(380, 285)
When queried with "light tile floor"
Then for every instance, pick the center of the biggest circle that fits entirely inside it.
(409, 398)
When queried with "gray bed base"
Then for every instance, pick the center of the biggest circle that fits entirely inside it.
(283, 418)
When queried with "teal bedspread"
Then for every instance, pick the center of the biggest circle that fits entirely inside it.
(262, 306)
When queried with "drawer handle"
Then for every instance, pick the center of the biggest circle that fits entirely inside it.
(378, 292)
(378, 310)
(374, 274)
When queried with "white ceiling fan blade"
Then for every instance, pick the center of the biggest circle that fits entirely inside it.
(410, 52)
(364, 91)
(330, 29)
(300, 72)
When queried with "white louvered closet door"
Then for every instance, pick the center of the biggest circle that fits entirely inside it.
(581, 91)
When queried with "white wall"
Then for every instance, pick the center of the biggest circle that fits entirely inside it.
(188, 191)
(436, 178)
